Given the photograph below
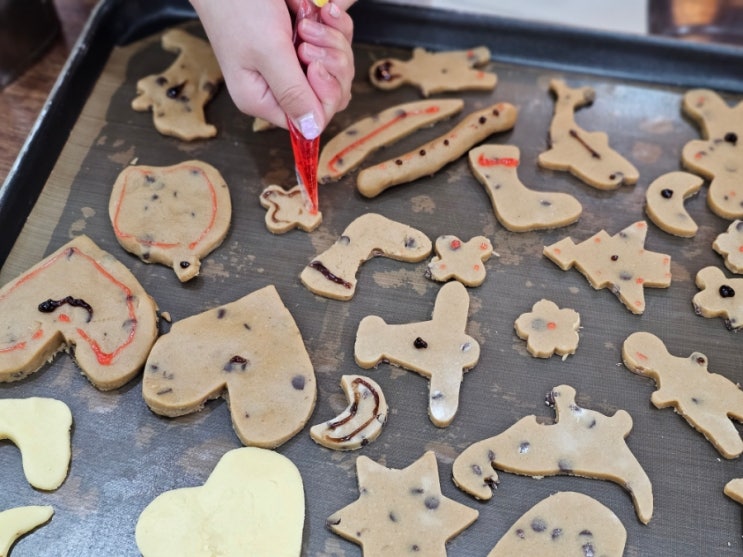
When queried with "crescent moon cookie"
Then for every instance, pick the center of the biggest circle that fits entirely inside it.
(438, 349)
(362, 420)
(18, 521)
(352, 146)
(707, 401)
(429, 158)
(78, 296)
(718, 155)
(287, 210)
(586, 155)
(719, 296)
(436, 72)
(580, 442)
(664, 202)
(333, 273)
(517, 207)
(251, 353)
(566, 523)
(548, 329)
(620, 263)
(173, 215)
(459, 260)
(730, 245)
(178, 95)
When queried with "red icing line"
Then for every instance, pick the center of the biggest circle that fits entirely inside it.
(509, 162)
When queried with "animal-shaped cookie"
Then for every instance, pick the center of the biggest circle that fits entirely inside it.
(362, 420)
(178, 95)
(459, 260)
(436, 72)
(517, 207)
(565, 524)
(580, 442)
(664, 202)
(438, 349)
(40, 428)
(718, 155)
(353, 145)
(707, 401)
(719, 296)
(730, 245)
(586, 155)
(333, 273)
(548, 329)
(287, 210)
(18, 521)
(620, 263)
(78, 296)
(401, 511)
(250, 352)
(251, 504)
(173, 215)
(434, 155)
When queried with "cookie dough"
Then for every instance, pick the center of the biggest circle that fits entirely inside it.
(734, 490)
(516, 207)
(436, 72)
(459, 260)
(19, 521)
(353, 145)
(251, 504)
(620, 263)
(434, 155)
(586, 155)
(362, 420)
(251, 353)
(40, 428)
(547, 329)
(580, 442)
(664, 202)
(178, 95)
(78, 296)
(287, 210)
(564, 524)
(719, 296)
(401, 512)
(437, 349)
(173, 215)
(333, 273)
(730, 245)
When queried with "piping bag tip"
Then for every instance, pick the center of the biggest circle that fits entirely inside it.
(306, 155)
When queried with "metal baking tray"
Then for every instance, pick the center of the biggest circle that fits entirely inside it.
(124, 455)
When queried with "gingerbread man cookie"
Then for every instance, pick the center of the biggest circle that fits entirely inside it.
(18, 521)
(178, 95)
(437, 349)
(620, 263)
(459, 260)
(517, 207)
(730, 245)
(401, 511)
(333, 273)
(664, 202)
(719, 297)
(287, 210)
(548, 329)
(707, 401)
(436, 72)
(173, 215)
(586, 155)
(718, 155)
(580, 442)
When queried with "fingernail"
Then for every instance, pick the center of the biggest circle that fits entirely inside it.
(308, 126)
(334, 10)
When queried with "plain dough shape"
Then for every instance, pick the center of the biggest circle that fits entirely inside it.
(707, 401)
(362, 420)
(287, 209)
(112, 337)
(18, 521)
(401, 511)
(350, 147)
(40, 428)
(730, 245)
(250, 352)
(173, 215)
(436, 72)
(333, 273)
(518, 208)
(549, 330)
(586, 155)
(664, 202)
(620, 263)
(438, 349)
(719, 154)
(580, 442)
(734, 490)
(178, 95)
(251, 504)
(719, 296)
(459, 260)
(564, 524)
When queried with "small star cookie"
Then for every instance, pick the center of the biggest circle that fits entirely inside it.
(730, 245)
(460, 261)
(287, 210)
(719, 297)
(548, 329)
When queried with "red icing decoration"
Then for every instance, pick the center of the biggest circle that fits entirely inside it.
(509, 162)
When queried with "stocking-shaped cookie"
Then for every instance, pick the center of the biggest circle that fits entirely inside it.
(719, 296)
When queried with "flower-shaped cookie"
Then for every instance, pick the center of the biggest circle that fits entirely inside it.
(730, 245)
(547, 330)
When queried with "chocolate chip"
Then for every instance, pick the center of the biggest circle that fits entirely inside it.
(422, 152)
(477, 470)
(161, 80)
(666, 193)
(185, 264)
(221, 312)
(419, 343)
(524, 447)
(588, 550)
(432, 503)
(538, 525)
(392, 517)
(520, 533)
(482, 119)
(398, 162)
(298, 382)
(556, 533)
(614, 257)
(565, 465)
(727, 291)
(731, 137)
(701, 361)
